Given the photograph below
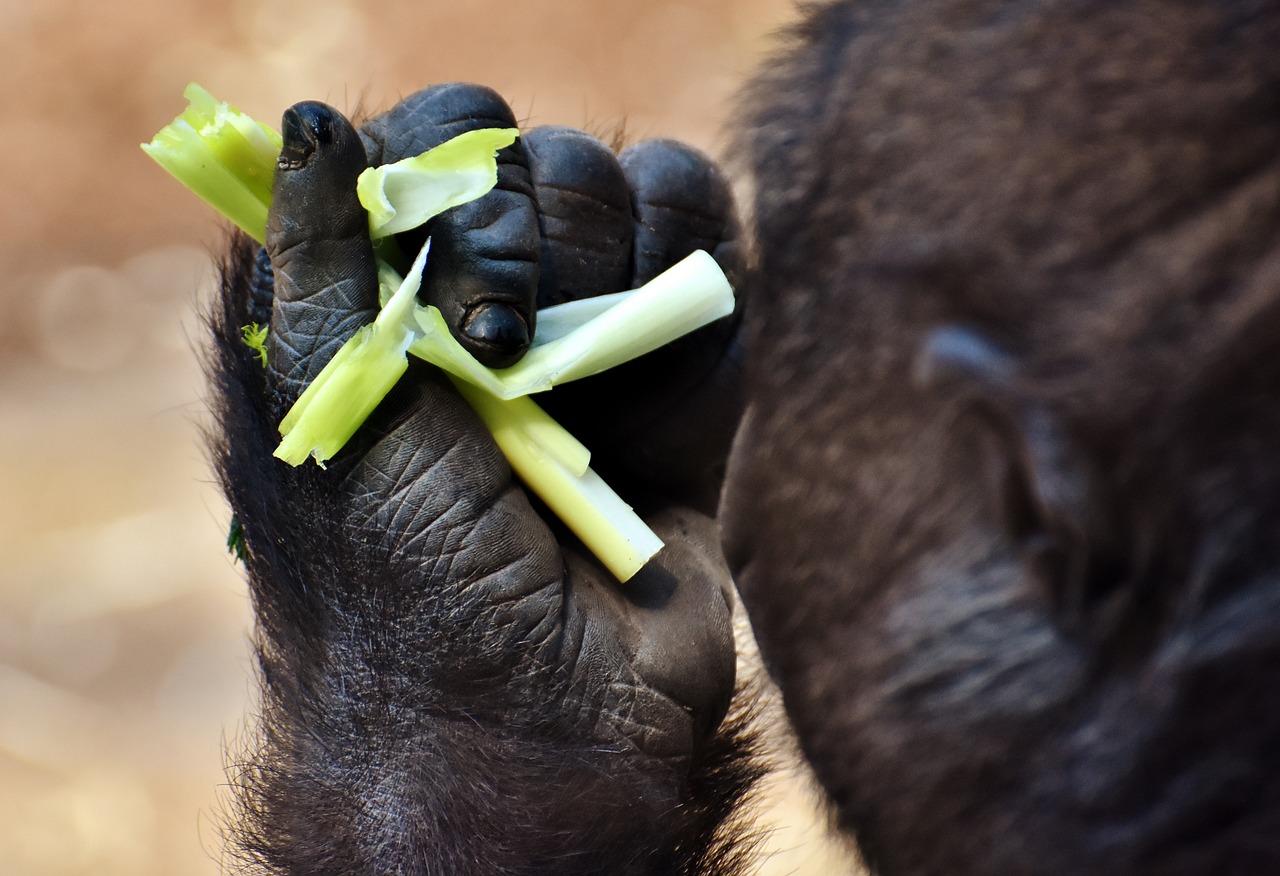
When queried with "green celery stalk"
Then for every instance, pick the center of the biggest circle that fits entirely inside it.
(248, 148)
(591, 339)
(605, 524)
(558, 320)
(354, 381)
(687, 296)
(222, 155)
(330, 410)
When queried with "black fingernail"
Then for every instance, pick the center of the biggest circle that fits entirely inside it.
(501, 335)
(304, 126)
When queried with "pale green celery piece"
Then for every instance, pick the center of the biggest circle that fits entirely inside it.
(222, 155)
(389, 280)
(248, 148)
(685, 297)
(608, 526)
(558, 320)
(338, 401)
(355, 380)
(405, 194)
(205, 109)
(180, 150)
(537, 426)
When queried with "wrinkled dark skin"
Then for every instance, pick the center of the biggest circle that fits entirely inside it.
(1004, 505)
(437, 654)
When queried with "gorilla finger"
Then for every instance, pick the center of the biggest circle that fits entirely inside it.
(675, 441)
(584, 213)
(681, 203)
(326, 279)
(483, 269)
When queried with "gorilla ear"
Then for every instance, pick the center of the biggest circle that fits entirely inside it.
(1042, 483)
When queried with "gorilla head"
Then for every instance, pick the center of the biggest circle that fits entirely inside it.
(1005, 509)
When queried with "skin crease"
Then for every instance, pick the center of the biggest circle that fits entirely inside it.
(1002, 506)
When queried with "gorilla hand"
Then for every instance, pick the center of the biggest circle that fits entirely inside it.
(450, 684)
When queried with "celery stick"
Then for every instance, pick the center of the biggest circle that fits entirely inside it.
(245, 147)
(179, 149)
(223, 156)
(685, 297)
(238, 156)
(340, 399)
(535, 425)
(558, 320)
(354, 381)
(406, 194)
(608, 526)
(389, 280)
(204, 108)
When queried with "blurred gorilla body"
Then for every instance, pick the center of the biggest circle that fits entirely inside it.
(1003, 506)
(1004, 509)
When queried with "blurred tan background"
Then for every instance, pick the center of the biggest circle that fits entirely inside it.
(124, 666)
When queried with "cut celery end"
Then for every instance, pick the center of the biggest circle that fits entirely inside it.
(208, 115)
(341, 397)
(406, 194)
(558, 320)
(354, 381)
(222, 155)
(246, 148)
(236, 154)
(191, 161)
(605, 524)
